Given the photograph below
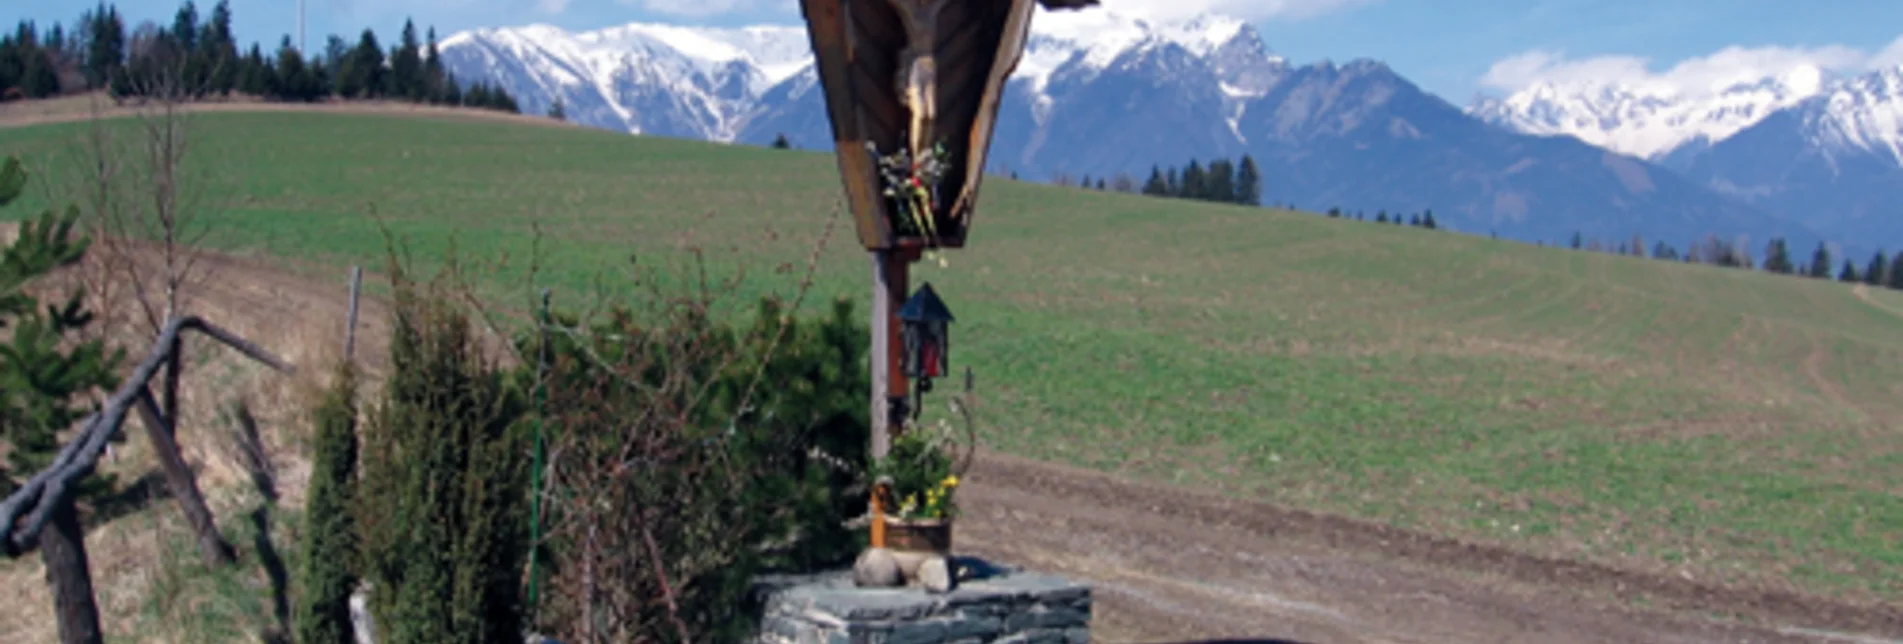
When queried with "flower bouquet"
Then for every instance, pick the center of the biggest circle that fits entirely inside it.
(916, 485)
(913, 187)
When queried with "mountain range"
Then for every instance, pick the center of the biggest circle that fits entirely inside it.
(1808, 157)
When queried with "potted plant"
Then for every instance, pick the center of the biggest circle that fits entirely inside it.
(917, 485)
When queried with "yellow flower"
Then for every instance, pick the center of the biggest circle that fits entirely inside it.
(951, 481)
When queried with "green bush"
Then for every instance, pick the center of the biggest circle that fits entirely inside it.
(442, 503)
(327, 575)
(694, 455)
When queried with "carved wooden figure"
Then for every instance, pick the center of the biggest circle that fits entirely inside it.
(909, 76)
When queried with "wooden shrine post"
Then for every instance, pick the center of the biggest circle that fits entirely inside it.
(906, 81)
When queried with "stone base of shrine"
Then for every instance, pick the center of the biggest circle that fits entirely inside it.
(992, 605)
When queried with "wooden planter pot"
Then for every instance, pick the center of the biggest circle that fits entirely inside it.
(921, 536)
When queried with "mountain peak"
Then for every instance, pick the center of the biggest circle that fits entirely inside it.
(1650, 118)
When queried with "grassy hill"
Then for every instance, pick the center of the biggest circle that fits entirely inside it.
(1664, 416)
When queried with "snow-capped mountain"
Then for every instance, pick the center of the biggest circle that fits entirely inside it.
(640, 78)
(1835, 159)
(1097, 93)
(1649, 122)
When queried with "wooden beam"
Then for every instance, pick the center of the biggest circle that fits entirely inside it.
(178, 477)
(69, 575)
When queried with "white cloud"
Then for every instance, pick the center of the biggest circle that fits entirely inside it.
(1246, 9)
(1690, 77)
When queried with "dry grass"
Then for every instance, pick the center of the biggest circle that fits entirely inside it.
(147, 580)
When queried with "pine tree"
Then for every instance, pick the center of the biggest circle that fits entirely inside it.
(1849, 272)
(1576, 240)
(1334, 213)
(362, 75)
(1820, 262)
(219, 50)
(780, 142)
(1220, 181)
(1195, 181)
(1173, 184)
(1156, 186)
(1895, 277)
(1427, 221)
(294, 80)
(1777, 257)
(1248, 183)
(1414, 220)
(1878, 271)
(559, 112)
(46, 373)
(433, 70)
(1381, 217)
(406, 67)
(105, 45)
(330, 542)
(254, 73)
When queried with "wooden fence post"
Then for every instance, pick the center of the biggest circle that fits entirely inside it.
(184, 487)
(69, 575)
(350, 328)
(174, 368)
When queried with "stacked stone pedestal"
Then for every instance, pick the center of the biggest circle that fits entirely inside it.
(1003, 606)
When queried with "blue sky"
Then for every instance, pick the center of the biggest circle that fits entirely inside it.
(1453, 48)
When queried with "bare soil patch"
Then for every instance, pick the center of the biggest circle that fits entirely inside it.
(82, 107)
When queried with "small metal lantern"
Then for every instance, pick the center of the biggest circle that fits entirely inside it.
(925, 318)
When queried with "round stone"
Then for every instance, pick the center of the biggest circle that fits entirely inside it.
(877, 568)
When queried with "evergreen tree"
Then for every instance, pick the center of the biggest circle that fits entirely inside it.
(452, 90)
(1820, 262)
(294, 80)
(1195, 181)
(433, 76)
(1576, 240)
(1249, 183)
(362, 75)
(1381, 217)
(780, 142)
(1100, 184)
(1878, 271)
(219, 50)
(1895, 277)
(1777, 258)
(1414, 220)
(329, 543)
(1156, 186)
(443, 498)
(46, 373)
(1427, 221)
(1849, 273)
(254, 73)
(477, 95)
(336, 52)
(406, 67)
(185, 26)
(1334, 213)
(1220, 181)
(560, 113)
(105, 45)
(1173, 184)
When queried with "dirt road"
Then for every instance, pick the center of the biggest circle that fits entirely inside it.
(1170, 565)
(1173, 565)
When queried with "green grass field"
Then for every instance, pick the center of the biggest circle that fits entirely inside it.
(1617, 409)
